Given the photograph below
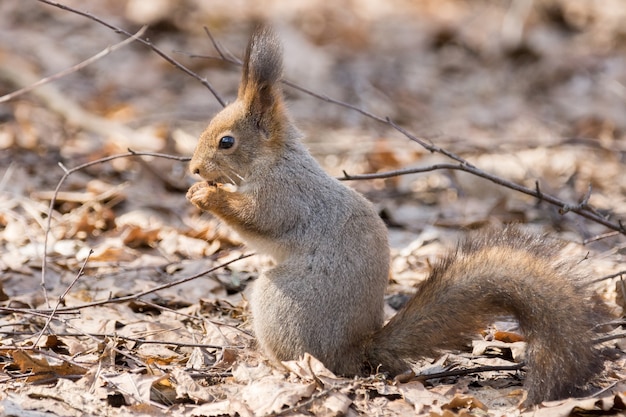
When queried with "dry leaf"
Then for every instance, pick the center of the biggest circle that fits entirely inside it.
(464, 402)
(517, 349)
(309, 368)
(41, 369)
(333, 404)
(271, 394)
(226, 359)
(135, 388)
(422, 400)
(230, 407)
(135, 236)
(112, 251)
(508, 337)
(156, 354)
(3, 295)
(186, 387)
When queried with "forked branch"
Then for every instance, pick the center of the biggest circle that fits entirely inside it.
(582, 208)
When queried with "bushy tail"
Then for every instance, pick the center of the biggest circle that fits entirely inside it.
(504, 272)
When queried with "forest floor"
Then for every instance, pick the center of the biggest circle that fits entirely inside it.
(118, 297)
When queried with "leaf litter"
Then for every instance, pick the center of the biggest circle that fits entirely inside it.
(543, 103)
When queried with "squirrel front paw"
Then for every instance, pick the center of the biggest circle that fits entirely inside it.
(201, 193)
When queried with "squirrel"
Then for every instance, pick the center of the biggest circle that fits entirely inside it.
(325, 294)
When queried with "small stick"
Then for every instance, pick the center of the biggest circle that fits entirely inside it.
(67, 173)
(617, 274)
(144, 42)
(132, 296)
(127, 338)
(469, 371)
(62, 297)
(582, 209)
(74, 68)
(600, 237)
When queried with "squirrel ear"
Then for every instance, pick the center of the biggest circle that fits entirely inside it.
(262, 70)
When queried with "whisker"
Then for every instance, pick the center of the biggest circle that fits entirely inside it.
(240, 177)
(229, 178)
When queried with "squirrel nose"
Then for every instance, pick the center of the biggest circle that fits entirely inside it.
(195, 168)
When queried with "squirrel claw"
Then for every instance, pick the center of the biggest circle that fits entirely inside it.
(198, 194)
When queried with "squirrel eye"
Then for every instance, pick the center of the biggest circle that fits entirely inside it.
(226, 142)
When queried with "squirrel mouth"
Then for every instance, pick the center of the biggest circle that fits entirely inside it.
(228, 187)
(216, 182)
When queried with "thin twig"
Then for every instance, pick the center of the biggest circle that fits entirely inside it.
(582, 209)
(600, 237)
(66, 174)
(604, 278)
(74, 68)
(138, 340)
(145, 42)
(469, 371)
(131, 296)
(220, 50)
(62, 297)
(178, 313)
(70, 325)
(609, 337)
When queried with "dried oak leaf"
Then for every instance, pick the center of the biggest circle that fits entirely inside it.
(508, 337)
(460, 402)
(186, 387)
(134, 388)
(40, 368)
(136, 236)
(269, 395)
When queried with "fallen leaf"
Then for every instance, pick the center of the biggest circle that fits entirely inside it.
(136, 388)
(467, 402)
(230, 407)
(269, 395)
(309, 368)
(517, 349)
(136, 236)
(186, 387)
(422, 399)
(508, 337)
(41, 369)
(333, 404)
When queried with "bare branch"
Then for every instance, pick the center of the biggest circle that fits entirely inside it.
(67, 173)
(611, 276)
(127, 338)
(130, 297)
(582, 209)
(600, 237)
(145, 42)
(62, 298)
(74, 68)
(470, 371)
(220, 50)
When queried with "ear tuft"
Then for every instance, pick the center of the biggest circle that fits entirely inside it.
(263, 62)
(260, 90)
(265, 56)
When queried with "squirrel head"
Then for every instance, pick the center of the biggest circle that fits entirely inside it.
(248, 134)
